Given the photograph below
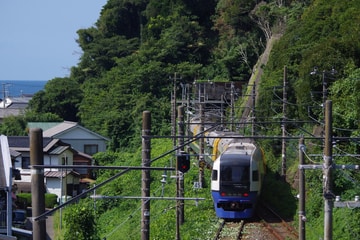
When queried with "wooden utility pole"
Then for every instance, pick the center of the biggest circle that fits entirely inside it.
(37, 183)
(328, 166)
(302, 215)
(232, 107)
(283, 127)
(145, 180)
(201, 142)
(173, 111)
(180, 177)
(253, 116)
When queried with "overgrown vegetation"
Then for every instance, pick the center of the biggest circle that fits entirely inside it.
(24, 200)
(135, 46)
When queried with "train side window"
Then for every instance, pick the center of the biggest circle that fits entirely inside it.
(255, 175)
(214, 175)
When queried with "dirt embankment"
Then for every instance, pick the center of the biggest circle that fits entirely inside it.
(256, 75)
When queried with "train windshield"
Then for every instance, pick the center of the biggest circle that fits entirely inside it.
(235, 174)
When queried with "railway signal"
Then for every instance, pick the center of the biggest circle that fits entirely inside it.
(183, 162)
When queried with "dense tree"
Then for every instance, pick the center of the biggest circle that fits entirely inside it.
(60, 96)
(136, 45)
(346, 98)
(14, 126)
(316, 41)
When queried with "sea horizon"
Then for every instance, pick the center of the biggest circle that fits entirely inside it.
(18, 88)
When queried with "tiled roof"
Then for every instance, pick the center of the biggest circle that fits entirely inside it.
(67, 126)
(59, 174)
(58, 150)
(16, 107)
(14, 153)
(7, 112)
(24, 141)
(61, 127)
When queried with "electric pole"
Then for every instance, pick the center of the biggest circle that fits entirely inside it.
(37, 183)
(253, 110)
(302, 215)
(180, 176)
(173, 111)
(328, 167)
(145, 176)
(283, 127)
(201, 142)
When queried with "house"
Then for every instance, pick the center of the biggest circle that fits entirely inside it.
(13, 106)
(79, 137)
(60, 181)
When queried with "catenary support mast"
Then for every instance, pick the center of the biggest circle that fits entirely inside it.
(145, 180)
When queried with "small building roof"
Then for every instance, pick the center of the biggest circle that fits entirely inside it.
(7, 112)
(60, 128)
(55, 129)
(43, 125)
(58, 150)
(22, 143)
(59, 174)
(14, 153)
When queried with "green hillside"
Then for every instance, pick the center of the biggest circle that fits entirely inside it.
(130, 57)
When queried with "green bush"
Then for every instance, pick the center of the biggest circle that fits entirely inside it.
(80, 222)
(25, 199)
(50, 200)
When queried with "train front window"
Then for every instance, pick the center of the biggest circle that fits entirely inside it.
(235, 174)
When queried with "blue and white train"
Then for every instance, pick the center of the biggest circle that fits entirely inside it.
(236, 178)
(237, 172)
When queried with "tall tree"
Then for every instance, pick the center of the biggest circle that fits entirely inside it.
(60, 96)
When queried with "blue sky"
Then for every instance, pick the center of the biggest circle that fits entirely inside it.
(38, 37)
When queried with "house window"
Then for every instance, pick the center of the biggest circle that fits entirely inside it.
(90, 149)
(25, 162)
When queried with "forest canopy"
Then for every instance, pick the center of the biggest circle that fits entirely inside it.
(138, 48)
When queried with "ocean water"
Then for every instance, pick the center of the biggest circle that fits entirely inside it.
(16, 88)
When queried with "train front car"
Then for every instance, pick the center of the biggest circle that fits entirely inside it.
(236, 180)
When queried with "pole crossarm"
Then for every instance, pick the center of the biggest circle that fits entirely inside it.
(311, 166)
(348, 204)
(104, 167)
(146, 198)
(336, 166)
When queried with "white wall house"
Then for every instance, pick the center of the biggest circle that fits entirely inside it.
(59, 181)
(79, 137)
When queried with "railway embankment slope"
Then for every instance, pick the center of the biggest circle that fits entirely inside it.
(255, 78)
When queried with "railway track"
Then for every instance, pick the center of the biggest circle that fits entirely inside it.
(276, 226)
(230, 230)
(267, 225)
